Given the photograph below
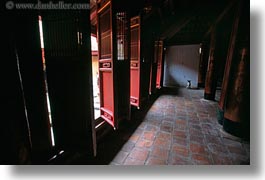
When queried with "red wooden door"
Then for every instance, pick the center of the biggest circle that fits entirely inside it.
(159, 57)
(114, 73)
(106, 63)
(135, 61)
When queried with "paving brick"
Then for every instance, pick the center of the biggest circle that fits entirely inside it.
(142, 143)
(162, 143)
(138, 132)
(180, 134)
(151, 128)
(155, 124)
(180, 141)
(213, 139)
(149, 135)
(128, 146)
(201, 160)
(139, 154)
(176, 160)
(166, 128)
(120, 157)
(211, 132)
(134, 138)
(231, 142)
(195, 132)
(197, 149)
(221, 160)
(196, 139)
(180, 127)
(217, 149)
(181, 122)
(155, 161)
(160, 153)
(180, 150)
(164, 135)
(196, 127)
(237, 150)
(131, 161)
(142, 125)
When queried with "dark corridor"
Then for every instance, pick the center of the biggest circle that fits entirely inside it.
(141, 121)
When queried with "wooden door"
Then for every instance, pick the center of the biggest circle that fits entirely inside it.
(159, 58)
(106, 63)
(69, 76)
(113, 62)
(135, 62)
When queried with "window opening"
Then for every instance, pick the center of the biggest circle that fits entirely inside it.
(95, 75)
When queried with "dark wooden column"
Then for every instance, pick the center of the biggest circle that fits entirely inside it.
(228, 64)
(237, 102)
(211, 75)
(203, 64)
(236, 116)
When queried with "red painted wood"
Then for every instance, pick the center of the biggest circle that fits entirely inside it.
(135, 62)
(106, 63)
(159, 56)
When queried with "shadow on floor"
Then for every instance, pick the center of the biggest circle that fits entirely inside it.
(113, 141)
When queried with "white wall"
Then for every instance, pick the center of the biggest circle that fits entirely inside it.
(181, 64)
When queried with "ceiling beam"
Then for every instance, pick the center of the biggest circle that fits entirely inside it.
(220, 17)
(175, 28)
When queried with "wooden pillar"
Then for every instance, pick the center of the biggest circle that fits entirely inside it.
(211, 76)
(236, 116)
(231, 48)
(203, 64)
(237, 102)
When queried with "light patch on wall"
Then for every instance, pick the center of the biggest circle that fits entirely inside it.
(94, 43)
(181, 65)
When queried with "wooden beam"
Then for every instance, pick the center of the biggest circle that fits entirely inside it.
(220, 17)
(161, 16)
(175, 28)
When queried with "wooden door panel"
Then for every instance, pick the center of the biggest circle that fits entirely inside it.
(135, 89)
(69, 76)
(106, 63)
(106, 84)
(135, 62)
(114, 67)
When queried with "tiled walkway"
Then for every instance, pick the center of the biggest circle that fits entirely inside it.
(180, 129)
(177, 128)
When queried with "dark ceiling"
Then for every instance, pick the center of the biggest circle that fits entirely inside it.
(179, 21)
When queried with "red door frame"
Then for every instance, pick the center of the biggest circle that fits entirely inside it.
(135, 64)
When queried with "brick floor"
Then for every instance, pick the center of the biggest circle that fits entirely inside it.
(178, 128)
(182, 129)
